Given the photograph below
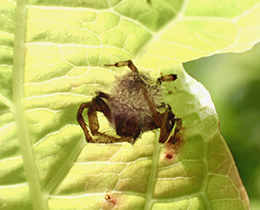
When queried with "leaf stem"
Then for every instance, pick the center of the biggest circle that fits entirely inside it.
(37, 195)
(153, 175)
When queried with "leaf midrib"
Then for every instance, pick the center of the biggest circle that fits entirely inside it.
(37, 196)
(153, 174)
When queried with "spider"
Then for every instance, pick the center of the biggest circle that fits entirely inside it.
(132, 107)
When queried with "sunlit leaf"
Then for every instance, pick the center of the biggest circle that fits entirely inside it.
(45, 76)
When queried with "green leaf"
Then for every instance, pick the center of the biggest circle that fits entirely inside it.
(52, 60)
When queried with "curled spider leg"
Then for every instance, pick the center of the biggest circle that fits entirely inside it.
(81, 120)
(97, 104)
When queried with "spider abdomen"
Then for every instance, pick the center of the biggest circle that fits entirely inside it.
(129, 108)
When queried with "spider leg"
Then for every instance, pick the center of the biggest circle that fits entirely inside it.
(166, 78)
(81, 121)
(175, 137)
(97, 104)
(100, 105)
(165, 121)
(168, 121)
(168, 118)
(128, 63)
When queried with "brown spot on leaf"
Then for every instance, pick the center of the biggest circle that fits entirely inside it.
(111, 199)
(169, 156)
(170, 151)
(173, 149)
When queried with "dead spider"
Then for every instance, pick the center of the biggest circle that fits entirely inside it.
(132, 107)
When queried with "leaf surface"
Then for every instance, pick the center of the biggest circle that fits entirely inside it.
(59, 63)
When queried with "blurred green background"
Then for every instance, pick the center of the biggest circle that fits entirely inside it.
(233, 81)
